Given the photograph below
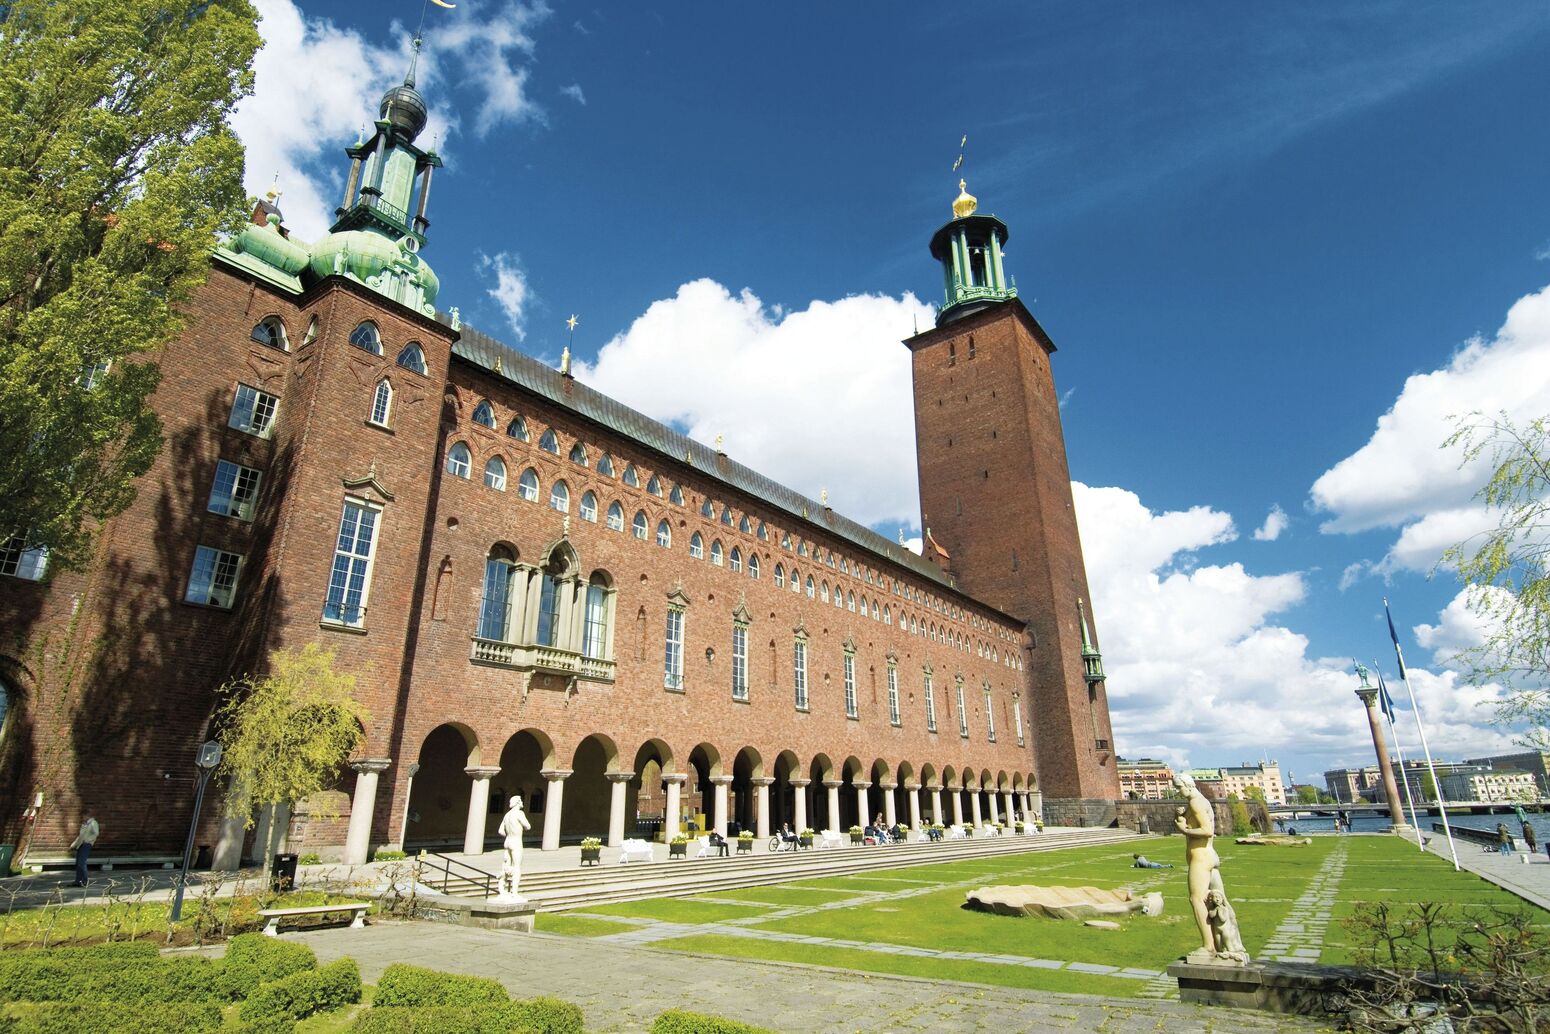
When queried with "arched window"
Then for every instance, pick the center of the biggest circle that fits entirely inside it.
(595, 634)
(764, 535)
(696, 546)
(743, 524)
(839, 596)
(823, 593)
(785, 540)
(812, 589)
(271, 332)
(578, 454)
(707, 509)
(887, 615)
(615, 517)
(484, 414)
(844, 566)
(413, 358)
(717, 555)
(829, 559)
(517, 429)
(559, 497)
(735, 560)
(677, 495)
(366, 336)
(527, 485)
(630, 477)
(664, 534)
(753, 565)
(495, 603)
(863, 606)
(382, 403)
(312, 332)
(549, 441)
(459, 462)
(654, 486)
(726, 516)
(605, 465)
(589, 507)
(801, 548)
(638, 525)
(495, 473)
(780, 577)
(796, 580)
(850, 601)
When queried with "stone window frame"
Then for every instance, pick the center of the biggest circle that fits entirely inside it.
(852, 704)
(799, 668)
(381, 404)
(367, 566)
(742, 621)
(894, 717)
(674, 639)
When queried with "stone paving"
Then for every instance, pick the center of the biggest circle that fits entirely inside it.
(622, 988)
(1300, 937)
(1522, 873)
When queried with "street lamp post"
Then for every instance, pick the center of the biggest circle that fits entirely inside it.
(209, 757)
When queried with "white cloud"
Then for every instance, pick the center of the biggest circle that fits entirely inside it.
(511, 291)
(1276, 521)
(711, 362)
(575, 93)
(1458, 628)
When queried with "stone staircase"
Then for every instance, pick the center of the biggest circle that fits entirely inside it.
(556, 891)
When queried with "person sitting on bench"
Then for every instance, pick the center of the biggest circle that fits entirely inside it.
(719, 842)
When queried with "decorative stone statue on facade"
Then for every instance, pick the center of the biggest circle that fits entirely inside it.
(513, 825)
(1220, 942)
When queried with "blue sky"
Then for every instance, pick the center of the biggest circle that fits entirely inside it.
(1245, 229)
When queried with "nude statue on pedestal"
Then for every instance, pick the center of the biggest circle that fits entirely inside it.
(513, 825)
(1220, 941)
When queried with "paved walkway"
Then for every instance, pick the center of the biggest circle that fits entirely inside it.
(623, 988)
(1529, 880)
(1300, 937)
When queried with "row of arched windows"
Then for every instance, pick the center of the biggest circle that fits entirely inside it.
(270, 332)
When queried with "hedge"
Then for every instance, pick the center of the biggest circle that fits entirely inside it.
(301, 994)
(401, 984)
(678, 1021)
(120, 1018)
(253, 959)
(39, 978)
(117, 951)
(532, 1016)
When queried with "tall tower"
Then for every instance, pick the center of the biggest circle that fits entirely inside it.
(995, 494)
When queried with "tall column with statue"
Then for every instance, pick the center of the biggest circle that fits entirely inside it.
(1369, 697)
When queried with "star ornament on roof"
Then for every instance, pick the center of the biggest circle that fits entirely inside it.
(571, 323)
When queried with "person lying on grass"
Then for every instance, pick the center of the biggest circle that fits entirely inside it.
(1141, 861)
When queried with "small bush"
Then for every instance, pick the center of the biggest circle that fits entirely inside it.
(310, 858)
(440, 1019)
(120, 951)
(39, 978)
(545, 1016)
(678, 1021)
(253, 959)
(302, 994)
(414, 986)
(119, 1018)
(388, 854)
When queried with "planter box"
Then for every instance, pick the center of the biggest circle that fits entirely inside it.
(805, 841)
(677, 851)
(856, 838)
(591, 855)
(745, 847)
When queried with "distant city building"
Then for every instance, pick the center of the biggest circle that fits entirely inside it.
(1144, 779)
(1536, 763)
(1346, 785)
(1235, 782)
(1475, 780)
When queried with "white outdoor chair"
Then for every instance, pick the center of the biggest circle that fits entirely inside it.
(987, 830)
(829, 838)
(956, 833)
(704, 845)
(635, 851)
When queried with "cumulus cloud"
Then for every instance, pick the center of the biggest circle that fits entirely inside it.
(712, 362)
(510, 291)
(575, 93)
(1458, 628)
(1276, 521)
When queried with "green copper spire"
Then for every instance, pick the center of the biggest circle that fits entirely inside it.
(969, 249)
(1092, 660)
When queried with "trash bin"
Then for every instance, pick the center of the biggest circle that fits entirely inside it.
(8, 851)
(282, 874)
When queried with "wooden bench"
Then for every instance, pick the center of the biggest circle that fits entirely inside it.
(274, 915)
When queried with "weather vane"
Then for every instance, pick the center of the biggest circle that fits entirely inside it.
(961, 145)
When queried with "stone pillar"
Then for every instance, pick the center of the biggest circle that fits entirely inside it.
(1011, 808)
(718, 817)
(761, 809)
(403, 828)
(890, 809)
(1036, 804)
(228, 848)
(995, 811)
(1369, 695)
(674, 781)
(861, 810)
(957, 807)
(357, 838)
(554, 805)
(974, 808)
(799, 800)
(936, 806)
(478, 807)
(913, 789)
(619, 783)
(833, 786)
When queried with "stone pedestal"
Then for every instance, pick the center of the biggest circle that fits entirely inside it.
(1281, 987)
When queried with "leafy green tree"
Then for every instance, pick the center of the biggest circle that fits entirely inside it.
(1307, 795)
(1428, 787)
(1241, 823)
(286, 733)
(117, 174)
(1254, 793)
(1506, 570)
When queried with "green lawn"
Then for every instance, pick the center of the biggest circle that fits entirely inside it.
(578, 926)
(679, 910)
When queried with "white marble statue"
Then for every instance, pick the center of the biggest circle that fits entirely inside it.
(1220, 943)
(513, 825)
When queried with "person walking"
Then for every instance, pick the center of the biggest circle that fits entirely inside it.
(1503, 838)
(81, 845)
(1529, 839)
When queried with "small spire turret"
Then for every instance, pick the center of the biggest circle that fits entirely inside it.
(1092, 660)
(969, 249)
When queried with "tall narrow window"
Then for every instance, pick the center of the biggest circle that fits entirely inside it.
(963, 714)
(753, 565)
(350, 579)
(549, 609)
(559, 497)
(495, 603)
(459, 462)
(739, 660)
(235, 491)
(213, 581)
(495, 473)
(726, 516)
(630, 477)
(799, 671)
(588, 507)
(654, 486)
(893, 694)
(19, 560)
(594, 642)
(850, 685)
(735, 560)
(527, 485)
(990, 717)
(676, 495)
(763, 533)
(615, 517)
(707, 508)
(812, 589)
(673, 651)
(664, 534)
(382, 403)
(696, 546)
(780, 577)
(717, 555)
(484, 414)
(930, 703)
(638, 525)
(1017, 717)
(253, 411)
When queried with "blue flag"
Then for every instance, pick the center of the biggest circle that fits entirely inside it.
(1385, 701)
(1398, 653)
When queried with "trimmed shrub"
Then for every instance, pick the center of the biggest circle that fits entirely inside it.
(678, 1021)
(301, 994)
(546, 1015)
(118, 1018)
(414, 986)
(264, 1025)
(118, 951)
(39, 978)
(439, 1019)
(253, 959)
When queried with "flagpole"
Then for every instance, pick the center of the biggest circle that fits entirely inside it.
(1442, 800)
(1388, 712)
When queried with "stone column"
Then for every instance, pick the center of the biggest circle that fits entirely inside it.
(675, 782)
(1369, 695)
(833, 786)
(890, 809)
(913, 789)
(718, 817)
(357, 838)
(974, 808)
(957, 807)
(1011, 808)
(1036, 804)
(995, 811)
(862, 818)
(478, 807)
(619, 783)
(936, 806)
(403, 829)
(554, 805)
(761, 809)
(799, 802)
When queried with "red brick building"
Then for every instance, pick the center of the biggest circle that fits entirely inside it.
(541, 591)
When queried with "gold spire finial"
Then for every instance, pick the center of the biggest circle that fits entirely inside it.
(274, 192)
(565, 362)
(965, 203)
